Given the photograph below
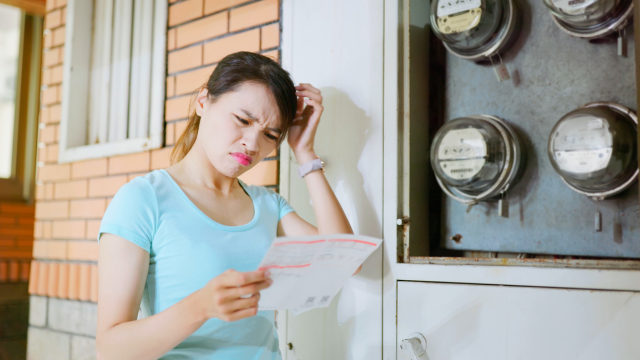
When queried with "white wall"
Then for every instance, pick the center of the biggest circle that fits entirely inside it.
(336, 46)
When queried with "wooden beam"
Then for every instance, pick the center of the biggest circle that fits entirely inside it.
(36, 7)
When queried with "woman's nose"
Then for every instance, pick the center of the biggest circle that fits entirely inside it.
(250, 141)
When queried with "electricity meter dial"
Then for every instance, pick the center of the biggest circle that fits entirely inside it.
(594, 149)
(476, 158)
(591, 19)
(475, 29)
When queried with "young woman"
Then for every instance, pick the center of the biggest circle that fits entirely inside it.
(182, 244)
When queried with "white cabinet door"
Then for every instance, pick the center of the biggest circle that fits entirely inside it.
(462, 321)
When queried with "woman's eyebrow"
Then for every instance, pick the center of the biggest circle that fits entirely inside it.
(253, 118)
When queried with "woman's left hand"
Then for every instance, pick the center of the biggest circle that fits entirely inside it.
(303, 129)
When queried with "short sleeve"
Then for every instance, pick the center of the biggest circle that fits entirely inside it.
(132, 214)
(283, 206)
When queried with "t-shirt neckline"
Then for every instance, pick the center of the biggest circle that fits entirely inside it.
(247, 226)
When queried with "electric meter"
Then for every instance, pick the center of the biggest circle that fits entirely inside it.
(475, 29)
(592, 19)
(477, 158)
(594, 150)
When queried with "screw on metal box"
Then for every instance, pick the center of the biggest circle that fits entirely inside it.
(594, 20)
(477, 158)
(594, 150)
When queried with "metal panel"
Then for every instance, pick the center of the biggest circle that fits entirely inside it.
(552, 73)
(505, 322)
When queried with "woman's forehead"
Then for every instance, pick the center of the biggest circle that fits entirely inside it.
(256, 103)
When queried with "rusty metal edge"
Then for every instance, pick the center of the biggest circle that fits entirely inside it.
(554, 263)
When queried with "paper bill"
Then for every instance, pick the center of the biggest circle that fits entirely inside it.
(309, 271)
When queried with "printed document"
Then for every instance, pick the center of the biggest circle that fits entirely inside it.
(309, 271)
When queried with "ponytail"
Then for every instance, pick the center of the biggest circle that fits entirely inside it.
(188, 137)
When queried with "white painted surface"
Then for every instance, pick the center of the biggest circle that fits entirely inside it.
(337, 47)
(506, 322)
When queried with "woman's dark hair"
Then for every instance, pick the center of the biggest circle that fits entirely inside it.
(230, 73)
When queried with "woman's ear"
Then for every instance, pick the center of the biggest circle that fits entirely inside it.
(200, 101)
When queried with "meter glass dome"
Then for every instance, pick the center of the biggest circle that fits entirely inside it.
(475, 158)
(590, 18)
(473, 29)
(594, 149)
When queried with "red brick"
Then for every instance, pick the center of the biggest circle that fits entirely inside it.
(201, 30)
(53, 19)
(69, 229)
(48, 191)
(90, 168)
(93, 227)
(211, 6)
(60, 3)
(124, 164)
(52, 153)
(56, 74)
(74, 279)
(71, 190)
(171, 86)
(44, 115)
(48, 134)
(46, 229)
(37, 230)
(87, 209)
(52, 210)
(16, 208)
(214, 51)
(46, 77)
(177, 108)
(106, 186)
(50, 95)
(185, 11)
(54, 113)
(169, 138)
(58, 36)
(82, 250)
(160, 158)
(52, 282)
(48, 39)
(188, 82)
(185, 59)
(84, 283)
(257, 13)
(16, 230)
(51, 57)
(54, 172)
(171, 39)
(270, 36)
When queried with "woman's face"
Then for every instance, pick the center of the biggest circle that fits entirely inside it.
(239, 129)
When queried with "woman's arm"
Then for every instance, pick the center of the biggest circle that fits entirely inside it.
(122, 271)
(329, 214)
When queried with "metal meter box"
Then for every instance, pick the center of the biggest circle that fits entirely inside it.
(551, 74)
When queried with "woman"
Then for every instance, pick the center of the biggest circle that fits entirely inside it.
(182, 243)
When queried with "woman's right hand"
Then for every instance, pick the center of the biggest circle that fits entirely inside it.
(233, 295)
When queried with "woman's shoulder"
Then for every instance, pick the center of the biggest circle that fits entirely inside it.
(143, 187)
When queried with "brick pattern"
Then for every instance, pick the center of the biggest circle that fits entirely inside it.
(16, 241)
(201, 33)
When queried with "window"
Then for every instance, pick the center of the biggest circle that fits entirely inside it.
(20, 41)
(113, 87)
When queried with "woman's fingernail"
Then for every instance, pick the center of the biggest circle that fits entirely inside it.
(270, 281)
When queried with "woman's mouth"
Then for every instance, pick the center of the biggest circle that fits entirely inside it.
(242, 159)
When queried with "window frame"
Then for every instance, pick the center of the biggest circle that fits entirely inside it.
(74, 122)
(20, 187)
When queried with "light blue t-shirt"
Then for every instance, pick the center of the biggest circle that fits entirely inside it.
(187, 249)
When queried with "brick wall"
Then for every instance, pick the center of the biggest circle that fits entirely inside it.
(72, 198)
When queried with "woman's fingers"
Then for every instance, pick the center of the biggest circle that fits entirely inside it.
(242, 303)
(232, 278)
(240, 314)
(309, 94)
(310, 87)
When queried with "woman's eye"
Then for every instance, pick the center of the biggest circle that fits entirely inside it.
(243, 121)
(271, 136)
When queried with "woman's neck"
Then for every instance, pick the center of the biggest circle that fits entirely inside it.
(196, 169)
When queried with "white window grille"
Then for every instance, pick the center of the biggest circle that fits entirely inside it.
(113, 88)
